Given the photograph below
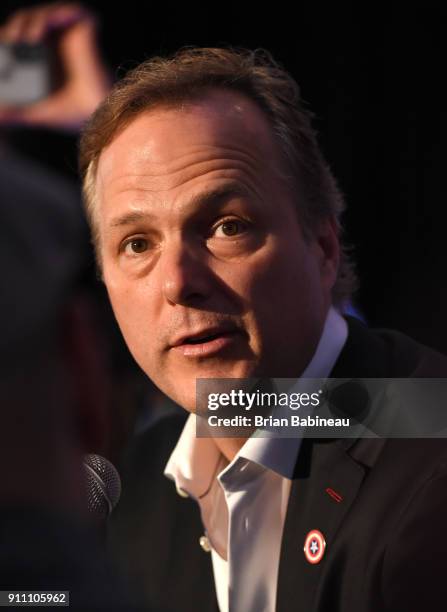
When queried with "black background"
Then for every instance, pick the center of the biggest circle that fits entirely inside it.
(374, 75)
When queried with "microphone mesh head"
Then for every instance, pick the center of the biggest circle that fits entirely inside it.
(103, 485)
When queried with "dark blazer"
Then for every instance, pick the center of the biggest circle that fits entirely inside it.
(386, 539)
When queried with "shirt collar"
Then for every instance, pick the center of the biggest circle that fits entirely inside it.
(195, 462)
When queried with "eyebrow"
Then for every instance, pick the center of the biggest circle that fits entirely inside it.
(130, 218)
(212, 197)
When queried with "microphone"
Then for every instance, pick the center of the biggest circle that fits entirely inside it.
(103, 485)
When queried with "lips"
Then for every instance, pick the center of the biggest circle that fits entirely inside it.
(202, 339)
(204, 335)
(206, 342)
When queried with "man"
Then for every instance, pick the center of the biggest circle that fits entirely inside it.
(216, 222)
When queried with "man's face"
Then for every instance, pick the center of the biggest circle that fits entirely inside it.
(203, 255)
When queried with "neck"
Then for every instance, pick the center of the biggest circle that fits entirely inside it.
(229, 447)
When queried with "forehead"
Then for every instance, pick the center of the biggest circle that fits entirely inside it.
(164, 141)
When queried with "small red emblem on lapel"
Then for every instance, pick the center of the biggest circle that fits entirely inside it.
(338, 498)
(314, 546)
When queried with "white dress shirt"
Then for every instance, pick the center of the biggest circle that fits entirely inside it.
(243, 503)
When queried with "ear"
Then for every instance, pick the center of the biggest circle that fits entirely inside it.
(327, 246)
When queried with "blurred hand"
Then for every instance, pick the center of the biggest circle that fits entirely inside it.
(85, 78)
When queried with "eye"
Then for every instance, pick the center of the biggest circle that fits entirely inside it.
(230, 227)
(136, 246)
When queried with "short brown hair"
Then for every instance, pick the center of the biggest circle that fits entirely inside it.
(186, 76)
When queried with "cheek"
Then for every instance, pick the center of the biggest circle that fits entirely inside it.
(276, 275)
(279, 289)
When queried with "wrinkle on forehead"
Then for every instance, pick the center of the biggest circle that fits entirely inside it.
(224, 133)
(167, 179)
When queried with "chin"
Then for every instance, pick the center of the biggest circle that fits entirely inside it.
(186, 400)
(182, 389)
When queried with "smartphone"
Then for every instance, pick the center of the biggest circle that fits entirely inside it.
(24, 74)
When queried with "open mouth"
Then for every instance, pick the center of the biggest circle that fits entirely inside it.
(208, 343)
(204, 339)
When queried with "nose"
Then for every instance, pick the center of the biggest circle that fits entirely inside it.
(186, 276)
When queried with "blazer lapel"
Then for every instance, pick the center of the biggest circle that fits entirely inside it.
(325, 485)
(327, 479)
